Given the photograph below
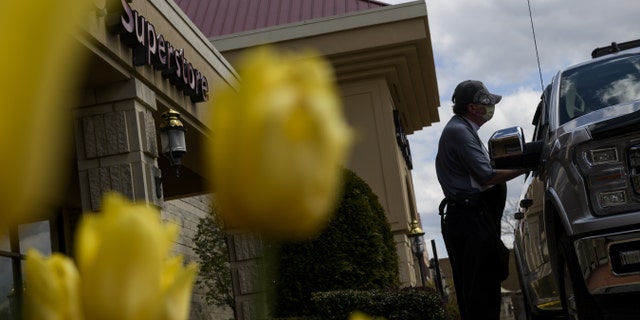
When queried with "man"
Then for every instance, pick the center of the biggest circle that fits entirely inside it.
(469, 225)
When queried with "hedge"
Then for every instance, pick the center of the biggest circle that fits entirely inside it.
(400, 304)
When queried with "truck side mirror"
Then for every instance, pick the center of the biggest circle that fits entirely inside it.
(508, 150)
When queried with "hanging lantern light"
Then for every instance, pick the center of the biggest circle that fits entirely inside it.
(172, 139)
(417, 246)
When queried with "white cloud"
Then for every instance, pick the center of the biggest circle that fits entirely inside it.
(492, 41)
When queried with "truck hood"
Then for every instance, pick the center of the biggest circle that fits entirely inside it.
(607, 122)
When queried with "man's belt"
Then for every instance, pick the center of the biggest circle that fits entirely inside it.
(461, 199)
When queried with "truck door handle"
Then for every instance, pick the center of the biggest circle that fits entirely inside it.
(526, 203)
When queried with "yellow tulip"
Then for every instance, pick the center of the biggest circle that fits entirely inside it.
(52, 288)
(278, 145)
(124, 272)
(40, 61)
(177, 283)
(123, 257)
(357, 315)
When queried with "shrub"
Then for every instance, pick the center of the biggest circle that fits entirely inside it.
(215, 274)
(402, 304)
(356, 251)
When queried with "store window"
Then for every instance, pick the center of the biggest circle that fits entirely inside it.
(14, 244)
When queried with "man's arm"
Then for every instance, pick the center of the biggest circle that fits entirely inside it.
(504, 175)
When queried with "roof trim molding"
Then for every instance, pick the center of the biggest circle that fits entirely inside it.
(393, 42)
(309, 28)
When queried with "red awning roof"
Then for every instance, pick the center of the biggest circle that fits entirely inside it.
(220, 17)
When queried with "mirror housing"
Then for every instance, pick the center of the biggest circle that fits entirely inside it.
(508, 150)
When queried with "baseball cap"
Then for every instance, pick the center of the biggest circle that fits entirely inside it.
(473, 91)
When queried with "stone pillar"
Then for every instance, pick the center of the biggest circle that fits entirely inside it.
(116, 143)
(407, 262)
(247, 257)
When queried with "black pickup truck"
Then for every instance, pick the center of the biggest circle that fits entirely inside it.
(577, 236)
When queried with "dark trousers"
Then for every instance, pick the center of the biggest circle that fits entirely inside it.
(470, 246)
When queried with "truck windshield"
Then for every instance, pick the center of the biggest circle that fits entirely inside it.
(598, 85)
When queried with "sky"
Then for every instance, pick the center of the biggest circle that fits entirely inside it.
(492, 41)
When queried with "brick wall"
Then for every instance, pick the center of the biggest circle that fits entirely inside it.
(186, 213)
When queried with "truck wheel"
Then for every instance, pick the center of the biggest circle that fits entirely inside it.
(576, 300)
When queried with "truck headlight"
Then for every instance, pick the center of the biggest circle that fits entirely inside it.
(612, 198)
(602, 156)
(606, 180)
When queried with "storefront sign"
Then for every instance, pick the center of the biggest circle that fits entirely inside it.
(150, 48)
(401, 139)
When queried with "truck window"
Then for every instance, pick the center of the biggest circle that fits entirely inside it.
(598, 85)
(540, 119)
